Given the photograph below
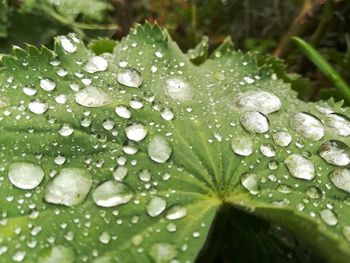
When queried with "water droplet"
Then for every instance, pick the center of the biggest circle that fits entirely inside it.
(96, 64)
(57, 254)
(261, 101)
(339, 123)
(162, 252)
(19, 256)
(156, 206)
(176, 212)
(69, 187)
(66, 130)
(130, 77)
(251, 183)
(346, 233)
(313, 192)
(335, 152)
(120, 173)
(282, 138)
(284, 189)
(92, 97)
(67, 44)
(300, 167)
(159, 150)
(167, 114)
(145, 175)
(38, 106)
(25, 175)
(112, 193)
(136, 132)
(47, 84)
(307, 125)
(123, 112)
(329, 217)
(242, 145)
(341, 179)
(29, 91)
(105, 237)
(267, 150)
(255, 122)
(178, 89)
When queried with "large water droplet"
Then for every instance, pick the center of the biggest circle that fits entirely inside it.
(92, 97)
(178, 89)
(38, 106)
(69, 187)
(282, 139)
(242, 145)
(339, 123)
(307, 125)
(267, 150)
(329, 217)
(159, 150)
(341, 179)
(25, 175)
(47, 84)
(123, 112)
(335, 152)
(300, 167)
(130, 77)
(136, 132)
(96, 64)
(112, 193)
(176, 212)
(163, 252)
(156, 206)
(67, 44)
(262, 101)
(255, 122)
(251, 183)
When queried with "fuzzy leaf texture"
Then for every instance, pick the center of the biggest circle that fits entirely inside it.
(128, 156)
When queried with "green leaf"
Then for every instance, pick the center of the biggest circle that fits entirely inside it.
(128, 157)
(102, 45)
(200, 53)
(323, 66)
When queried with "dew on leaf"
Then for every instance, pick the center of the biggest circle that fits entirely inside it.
(242, 145)
(267, 150)
(67, 44)
(162, 252)
(346, 233)
(156, 206)
(66, 130)
(282, 139)
(57, 254)
(145, 175)
(307, 125)
(130, 77)
(105, 237)
(340, 177)
(176, 212)
(25, 175)
(112, 193)
(262, 101)
(178, 89)
(29, 91)
(339, 123)
(47, 84)
(159, 149)
(136, 132)
(300, 167)
(70, 187)
(250, 182)
(19, 256)
(96, 64)
(329, 217)
(284, 189)
(167, 114)
(255, 122)
(335, 152)
(38, 106)
(120, 173)
(123, 112)
(313, 192)
(92, 97)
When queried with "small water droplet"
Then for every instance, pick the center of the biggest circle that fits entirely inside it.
(329, 217)
(339, 123)
(67, 44)
(66, 130)
(105, 237)
(136, 132)
(282, 139)
(96, 64)
(47, 84)
(341, 179)
(313, 192)
(242, 145)
(162, 252)
(167, 114)
(38, 106)
(176, 212)
(123, 112)
(267, 150)
(120, 173)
